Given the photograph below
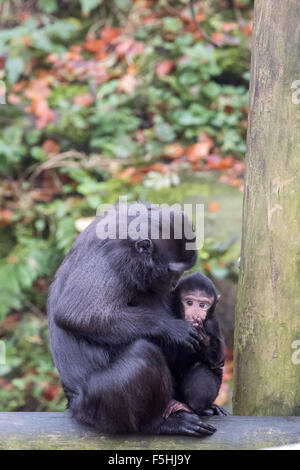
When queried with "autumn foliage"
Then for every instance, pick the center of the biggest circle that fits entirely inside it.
(102, 99)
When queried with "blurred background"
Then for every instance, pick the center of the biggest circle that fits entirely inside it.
(102, 98)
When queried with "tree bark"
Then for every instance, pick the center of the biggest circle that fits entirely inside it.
(267, 336)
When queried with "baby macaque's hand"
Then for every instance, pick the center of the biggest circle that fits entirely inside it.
(204, 338)
(174, 406)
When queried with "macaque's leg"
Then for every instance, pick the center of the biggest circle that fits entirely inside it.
(200, 387)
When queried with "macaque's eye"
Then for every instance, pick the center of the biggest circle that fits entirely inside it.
(203, 305)
(189, 302)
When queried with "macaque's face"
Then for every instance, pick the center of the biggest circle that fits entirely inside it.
(196, 305)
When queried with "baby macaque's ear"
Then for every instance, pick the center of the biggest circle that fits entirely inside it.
(218, 297)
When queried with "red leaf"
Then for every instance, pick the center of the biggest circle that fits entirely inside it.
(127, 83)
(173, 151)
(13, 99)
(218, 38)
(127, 173)
(197, 151)
(43, 113)
(213, 207)
(85, 99)
(50, 392)
(228, 27)
(164, 68)
(51, 147)
(5, 217)
(109, 34)
(94, 45)
(248, 28)
(216, 162)
(159, 167)
(129, 47)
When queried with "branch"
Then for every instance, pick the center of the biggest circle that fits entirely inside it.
(204, 34)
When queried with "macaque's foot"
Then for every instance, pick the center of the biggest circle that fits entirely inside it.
(215, 410)
(174, 406)
(186, 424)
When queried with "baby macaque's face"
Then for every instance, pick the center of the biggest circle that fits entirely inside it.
(196, 305)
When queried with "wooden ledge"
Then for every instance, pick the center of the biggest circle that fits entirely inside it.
(59, 431)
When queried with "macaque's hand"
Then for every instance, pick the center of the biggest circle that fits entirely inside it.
(186, 335)
(203, 336)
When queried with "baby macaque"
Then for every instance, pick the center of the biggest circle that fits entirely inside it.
(195, 299)
(198, 375)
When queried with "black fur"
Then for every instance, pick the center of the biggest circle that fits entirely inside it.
(110, 325)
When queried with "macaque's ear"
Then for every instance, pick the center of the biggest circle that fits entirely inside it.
(218, 297)
(144, 246)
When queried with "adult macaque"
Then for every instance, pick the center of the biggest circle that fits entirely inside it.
(111, 326)
(199, 374)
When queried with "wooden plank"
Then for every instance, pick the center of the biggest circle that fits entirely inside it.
(289, 447)
(59, 431)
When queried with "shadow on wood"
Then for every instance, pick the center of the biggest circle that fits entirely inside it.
(59, 431)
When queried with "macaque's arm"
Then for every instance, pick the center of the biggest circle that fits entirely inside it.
(213, 354)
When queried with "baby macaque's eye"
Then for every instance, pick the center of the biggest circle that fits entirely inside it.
(189, 302)
(203, 304)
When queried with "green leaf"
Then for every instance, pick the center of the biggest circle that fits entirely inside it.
(88, 5)
(40, 224)
(32, 136)
(48, 6)
(65, 233)
(188, 78)
(164, 132)
(38, 153)
(123, 3)
(13, 135)
(107, 88)
(41, 41)
(14, 68)
(212, 90)
(172, 24)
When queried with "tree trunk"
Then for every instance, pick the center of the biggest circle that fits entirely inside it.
(267, 337)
